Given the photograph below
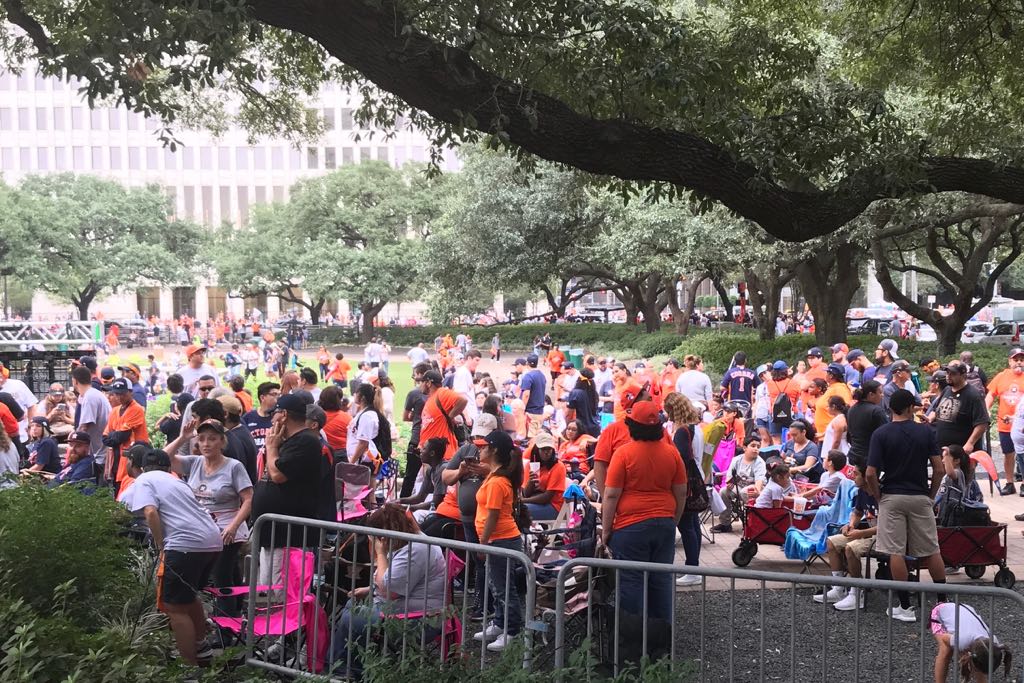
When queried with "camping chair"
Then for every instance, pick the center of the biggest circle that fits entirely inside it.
(450, 637)
(985, 460)
(811, 544)
(352, 483)
(277, 615)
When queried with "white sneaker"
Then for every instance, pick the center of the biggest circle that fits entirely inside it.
(501, 642)
(490, 633)
(908, 615)
(851, 602)
(689, 580)
(952, 570)
(835, 594)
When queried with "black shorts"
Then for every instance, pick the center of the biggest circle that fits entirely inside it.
(1006, 443)
(182, 575)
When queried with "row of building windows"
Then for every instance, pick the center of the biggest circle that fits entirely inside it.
(83, 118)
(81, 158)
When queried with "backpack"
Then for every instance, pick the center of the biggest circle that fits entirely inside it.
(974, 379)
(782, 408)
(383, 439)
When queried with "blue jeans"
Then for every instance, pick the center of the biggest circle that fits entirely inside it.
(689, 531)
(538, 511)
(652, 540)
(358, 618)
(480, 581)
(506, 595)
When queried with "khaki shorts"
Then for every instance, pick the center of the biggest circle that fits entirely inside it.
(906, 526)
(859, 546)
(533, 423)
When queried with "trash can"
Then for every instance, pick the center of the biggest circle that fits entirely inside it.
(576, 358)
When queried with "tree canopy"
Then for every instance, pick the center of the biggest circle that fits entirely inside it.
(794, 115)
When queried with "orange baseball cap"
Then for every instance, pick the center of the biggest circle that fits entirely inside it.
(629, 394)
(193, 349)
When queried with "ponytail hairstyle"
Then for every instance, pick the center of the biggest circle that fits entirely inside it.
(976, 658)
(690, 361)
(866, 389)
(586, 383)
(510, 466)
(778, 469)
(837, 404)
(369, 397)
(806, 426)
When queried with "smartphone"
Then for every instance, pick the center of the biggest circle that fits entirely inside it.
(62, 407)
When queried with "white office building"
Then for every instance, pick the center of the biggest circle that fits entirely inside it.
(47, 127)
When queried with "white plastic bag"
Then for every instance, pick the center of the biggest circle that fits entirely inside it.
(717, 504)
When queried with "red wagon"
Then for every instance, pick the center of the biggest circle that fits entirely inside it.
(767, 526)
(976, 547)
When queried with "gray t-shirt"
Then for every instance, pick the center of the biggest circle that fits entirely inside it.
(94, 410)
(468, 486)
(218, 493)
(416, 580)
(187, 526)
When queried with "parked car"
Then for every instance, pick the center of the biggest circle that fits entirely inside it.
(926, 333)
(875, 326)
(974, 331)
(1003, 334)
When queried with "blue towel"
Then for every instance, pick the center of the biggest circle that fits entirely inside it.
(801, 545)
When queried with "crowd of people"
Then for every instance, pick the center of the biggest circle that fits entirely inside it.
(484, 452)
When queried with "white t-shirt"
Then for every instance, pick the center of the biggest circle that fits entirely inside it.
(372, 353)
(363, 427)
(25, 398)
(463, 385)
(831, 482)
(94, 410)
(191, 377)
(971, 624)
(418, 355)
(8, 465)
(829, 437)
(568, 381)
(773, 492)
(187, 526)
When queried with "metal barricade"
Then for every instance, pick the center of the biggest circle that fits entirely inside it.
(288, 616)
(758, 626)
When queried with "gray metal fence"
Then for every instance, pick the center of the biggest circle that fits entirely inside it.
(293, 609)
(758, 625)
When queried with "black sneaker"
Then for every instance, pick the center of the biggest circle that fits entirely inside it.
(1022, 491)
(1019, 517)
(722, 528)
(1008, 490)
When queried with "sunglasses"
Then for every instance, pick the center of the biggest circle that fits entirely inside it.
(205, 388)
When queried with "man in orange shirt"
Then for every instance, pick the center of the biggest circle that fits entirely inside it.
(1007, 388)
(555, 358)
(237, 385)
(338, 372)
(125, 426)
(440, 406)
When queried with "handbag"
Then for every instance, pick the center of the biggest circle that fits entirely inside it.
(521, 514)
(459, 431)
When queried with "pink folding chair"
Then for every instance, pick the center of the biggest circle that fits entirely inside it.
(352, 484)
(451, 631)
(278, 616)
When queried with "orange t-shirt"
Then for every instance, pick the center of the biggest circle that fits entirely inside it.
(7, 420)
(646, 471)
(130, 418)
(787, 385)
(553, 479)
(339, 371)
(245, 398)
(336, 429)
(432, 422)
(449, 507)
(496, 494)
(1008, 387)
(614, 436)
(821, 416)
(555, 360)
(323, 358)
(577, 449)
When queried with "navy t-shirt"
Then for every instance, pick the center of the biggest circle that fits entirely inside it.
(901, 451)
(535, 381)
(44, 452)
(586, 411)
(258, 426)
(740, 383)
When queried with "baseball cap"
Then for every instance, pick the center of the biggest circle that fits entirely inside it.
(119, 386)
(193, 349)
(215, 425)
(316, 414)
(184, 398)
(79, 437)
(41, 420)
(107, 374)
(761, 369)
(500, 440)
(938, 376)
(520, 361)
(629, 393)
(484, 424)
(646, 413)
(854, 354)
(836, 369)
(891, 346)
(567, 364)
(130, 367)
(1016, 351)
(156, 458)
(840, 348)
(544, 440)
(433, 376)
(814, 351)
(291, 404)
(88, 361)
(232, 406)
(137, 451)
(781, 365)
(304, 396)
(532, 360)
(900, 366)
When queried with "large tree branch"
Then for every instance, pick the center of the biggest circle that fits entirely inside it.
(377, 40)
